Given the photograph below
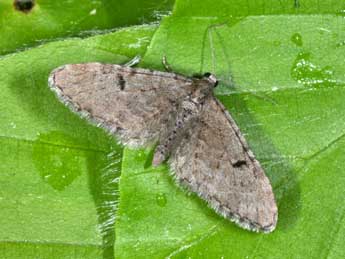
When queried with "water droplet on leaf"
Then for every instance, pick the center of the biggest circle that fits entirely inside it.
(306, 72)
(297, 39)
(161, 199)
(57, 165)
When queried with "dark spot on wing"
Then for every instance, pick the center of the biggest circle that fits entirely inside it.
(239, 163)
(24, 6)
(218, 165)
(121, 81)
(132, 72)
(173, 102)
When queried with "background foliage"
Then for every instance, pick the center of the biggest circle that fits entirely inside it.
(281, 64)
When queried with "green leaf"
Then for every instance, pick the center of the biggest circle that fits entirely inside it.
(281, 65)
(28, 25)
(58, 186)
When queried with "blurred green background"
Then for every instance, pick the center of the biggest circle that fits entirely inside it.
(68, 190)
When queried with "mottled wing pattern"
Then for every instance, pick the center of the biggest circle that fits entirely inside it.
(136, 104)
(214, 161)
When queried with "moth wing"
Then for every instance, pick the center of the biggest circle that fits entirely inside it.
(136, 104)
(214, 161)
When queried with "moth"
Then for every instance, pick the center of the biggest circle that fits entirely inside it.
(193, 131)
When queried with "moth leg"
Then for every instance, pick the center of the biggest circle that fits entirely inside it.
(166, 64)
(133, 62)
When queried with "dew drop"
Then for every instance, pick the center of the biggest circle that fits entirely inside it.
(297, 39)
(306, 72)
(58, 165)
(277, 43)
(161, 199)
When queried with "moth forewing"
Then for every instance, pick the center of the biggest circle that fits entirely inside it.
(123, 100)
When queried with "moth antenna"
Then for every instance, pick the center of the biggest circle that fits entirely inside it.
(210, 35)
(213, 56)
(133, 62)
(166, 64)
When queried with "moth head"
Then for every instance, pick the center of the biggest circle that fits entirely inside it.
(204, 85)
(211, 78)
